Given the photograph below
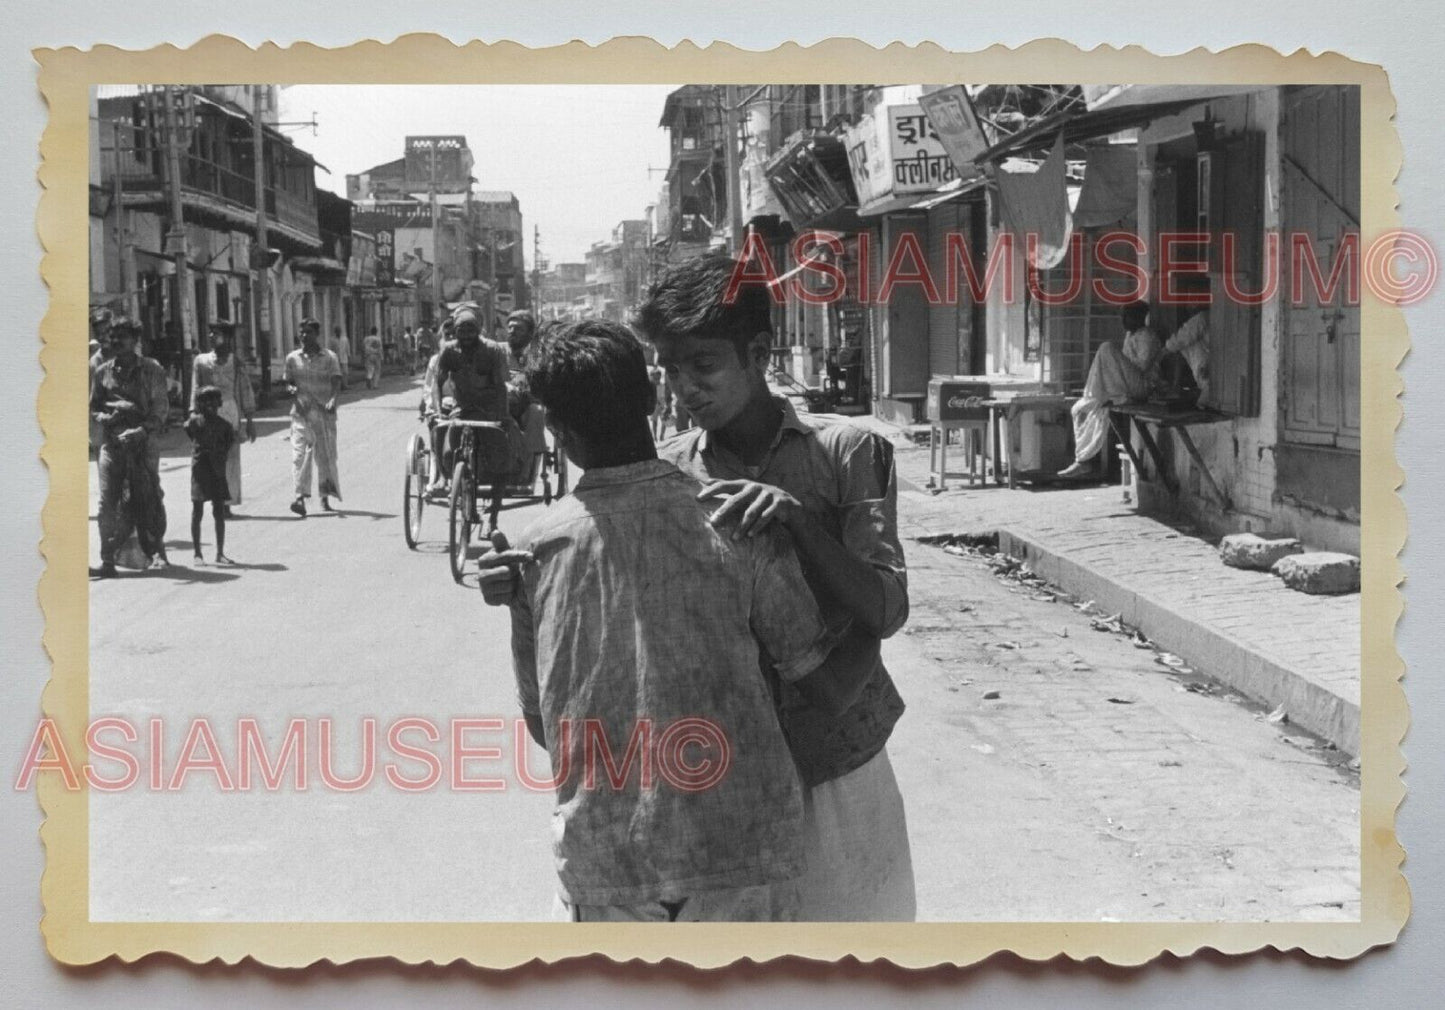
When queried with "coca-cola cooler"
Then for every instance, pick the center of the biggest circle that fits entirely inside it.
(958, 398)
(958, 403)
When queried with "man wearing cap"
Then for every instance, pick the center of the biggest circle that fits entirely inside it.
(128, 398)
(477, 369)
(313, 376)
(221, 368)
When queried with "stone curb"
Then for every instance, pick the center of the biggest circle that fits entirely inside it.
(1308, 705)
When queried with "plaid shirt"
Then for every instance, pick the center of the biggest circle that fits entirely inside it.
(637, 609)
(843, 475)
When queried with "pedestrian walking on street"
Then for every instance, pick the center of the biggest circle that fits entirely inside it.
(688, 612)
(313, 376)
(341, 347)
(831, 485)
(129, 399)
(371, 349)
(212, 437)
(222, 369)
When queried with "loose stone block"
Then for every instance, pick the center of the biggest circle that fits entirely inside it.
(1321, 573)
(1249, 550)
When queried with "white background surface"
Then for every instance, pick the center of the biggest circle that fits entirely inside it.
(1405, 37)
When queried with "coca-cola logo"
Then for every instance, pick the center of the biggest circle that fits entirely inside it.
(964, 402)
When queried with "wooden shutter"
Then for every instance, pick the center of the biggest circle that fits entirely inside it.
(1237, 206)
(944, 329)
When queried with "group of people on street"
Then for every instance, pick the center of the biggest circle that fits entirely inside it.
(739, 575)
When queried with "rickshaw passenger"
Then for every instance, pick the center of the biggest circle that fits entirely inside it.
(529, 415)
(477, 369)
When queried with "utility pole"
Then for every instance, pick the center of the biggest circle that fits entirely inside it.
(730, 151)
(260, 254)
(122, 238)
(536, 272)
(176, 236)
(491, 281)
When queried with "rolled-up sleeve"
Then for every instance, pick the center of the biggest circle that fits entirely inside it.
(868, 509)
(524, 653)
(784, 617)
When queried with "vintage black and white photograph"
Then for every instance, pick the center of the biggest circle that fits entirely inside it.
(725, 503)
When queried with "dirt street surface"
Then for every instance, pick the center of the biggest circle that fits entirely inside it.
(1050, 770)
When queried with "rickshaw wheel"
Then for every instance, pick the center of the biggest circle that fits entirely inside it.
(461, 510)
(414, 491)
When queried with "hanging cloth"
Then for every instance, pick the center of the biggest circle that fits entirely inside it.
(1037, 203)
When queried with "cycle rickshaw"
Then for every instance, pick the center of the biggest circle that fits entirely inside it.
(483, 470)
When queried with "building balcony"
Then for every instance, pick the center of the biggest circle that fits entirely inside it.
(220, 193)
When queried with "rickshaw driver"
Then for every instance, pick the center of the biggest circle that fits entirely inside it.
(477, 369)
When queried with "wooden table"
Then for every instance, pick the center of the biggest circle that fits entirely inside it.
(1004, 411)
(1163, 419)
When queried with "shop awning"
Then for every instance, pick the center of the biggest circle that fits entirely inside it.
(954, 189)
(317, 264)
(1077, 127)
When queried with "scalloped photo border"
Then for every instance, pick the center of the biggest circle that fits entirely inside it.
(65, 77)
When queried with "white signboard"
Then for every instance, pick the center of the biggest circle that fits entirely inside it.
(895, 152)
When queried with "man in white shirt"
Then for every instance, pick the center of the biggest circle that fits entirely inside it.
(1118, 374)
(1191, 342)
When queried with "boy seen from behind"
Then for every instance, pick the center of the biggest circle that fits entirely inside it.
(633, 616)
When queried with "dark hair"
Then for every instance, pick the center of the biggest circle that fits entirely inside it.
(591, 377)
(1134, 315)
(691, 301)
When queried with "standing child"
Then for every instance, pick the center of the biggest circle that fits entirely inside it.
(211, 437)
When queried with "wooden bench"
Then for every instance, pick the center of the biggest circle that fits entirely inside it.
(1164, 419)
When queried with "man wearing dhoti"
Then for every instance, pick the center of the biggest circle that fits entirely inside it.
(313, 375)
(221, 368)
(1118, 375)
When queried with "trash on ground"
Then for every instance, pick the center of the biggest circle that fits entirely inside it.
(1277, 716)
(1120, 701)
(990, 696)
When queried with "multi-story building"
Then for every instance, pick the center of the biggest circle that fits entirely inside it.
(563, 292)
(430, 268)
(134, 193)
(500, 247)
(696, 183)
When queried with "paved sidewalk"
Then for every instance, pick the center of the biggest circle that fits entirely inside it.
(1243, 628)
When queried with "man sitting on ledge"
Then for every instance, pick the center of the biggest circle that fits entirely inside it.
(1117, 375)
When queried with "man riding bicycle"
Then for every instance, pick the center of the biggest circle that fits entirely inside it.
(477, 369)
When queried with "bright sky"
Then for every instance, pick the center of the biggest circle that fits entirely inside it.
(576, 156)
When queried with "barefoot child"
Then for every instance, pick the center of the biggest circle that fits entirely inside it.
(212, 436)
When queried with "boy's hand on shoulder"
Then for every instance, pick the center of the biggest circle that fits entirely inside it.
(750, 504)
